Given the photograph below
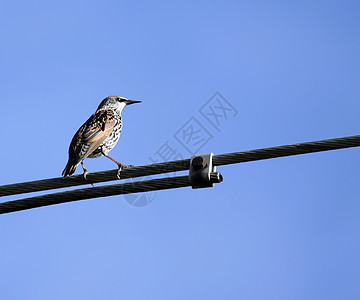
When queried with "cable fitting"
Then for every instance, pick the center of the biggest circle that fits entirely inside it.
(202, 172)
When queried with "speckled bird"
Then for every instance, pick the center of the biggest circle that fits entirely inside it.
(98, 135)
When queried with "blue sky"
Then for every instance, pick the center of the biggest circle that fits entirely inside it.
(285, 228)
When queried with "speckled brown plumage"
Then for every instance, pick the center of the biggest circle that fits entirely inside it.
(98, 135)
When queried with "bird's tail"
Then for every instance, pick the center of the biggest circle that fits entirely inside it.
(70, 168)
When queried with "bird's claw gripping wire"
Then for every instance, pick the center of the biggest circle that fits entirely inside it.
(121, 166)
(86, 172)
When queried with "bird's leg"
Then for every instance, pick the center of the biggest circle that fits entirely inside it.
(120, 165)
(85, 171)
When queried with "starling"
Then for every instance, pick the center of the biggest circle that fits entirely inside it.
(98, 135)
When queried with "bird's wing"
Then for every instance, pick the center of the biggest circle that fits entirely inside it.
(93, 133)
(100, 125)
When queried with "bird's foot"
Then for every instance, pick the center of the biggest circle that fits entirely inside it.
(121, 166)
(86, 172)
(128, 166)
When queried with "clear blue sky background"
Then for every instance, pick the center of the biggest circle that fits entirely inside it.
(285, 228)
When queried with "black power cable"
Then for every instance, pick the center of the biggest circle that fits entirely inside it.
(153, 169)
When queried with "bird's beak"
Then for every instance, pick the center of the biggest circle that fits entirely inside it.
(128, 102)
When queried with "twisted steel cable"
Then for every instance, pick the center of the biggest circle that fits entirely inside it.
(286, 150)
(153, 169)
(96, 177)
(96, 192)
(181, 165)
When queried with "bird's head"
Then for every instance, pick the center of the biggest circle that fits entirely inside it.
(116, 102)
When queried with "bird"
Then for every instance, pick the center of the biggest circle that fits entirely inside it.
(98, 135)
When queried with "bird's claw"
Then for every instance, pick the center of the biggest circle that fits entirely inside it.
(120, 169)
(85, 174)
(118, 172)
